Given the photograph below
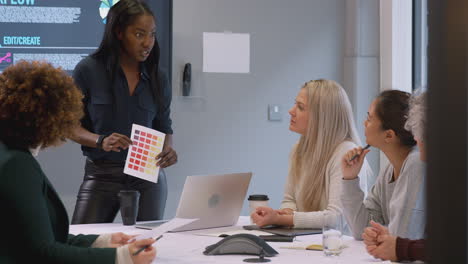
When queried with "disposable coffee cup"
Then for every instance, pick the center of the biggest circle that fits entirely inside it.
(129, 206)
(256, 200)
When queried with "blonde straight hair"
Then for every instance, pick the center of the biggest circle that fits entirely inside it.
(330, 123)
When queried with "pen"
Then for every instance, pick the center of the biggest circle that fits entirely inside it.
(357, 155)
(145, 247)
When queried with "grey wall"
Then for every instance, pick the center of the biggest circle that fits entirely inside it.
(223, 127)
(361, 65)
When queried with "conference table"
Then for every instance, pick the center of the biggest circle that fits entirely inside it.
(188, 247)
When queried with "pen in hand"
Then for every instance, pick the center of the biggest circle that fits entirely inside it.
(145, 247)
(357, 155)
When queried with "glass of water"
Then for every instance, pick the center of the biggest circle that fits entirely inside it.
(332, 233)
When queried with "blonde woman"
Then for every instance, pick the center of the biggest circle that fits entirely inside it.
(323, 117)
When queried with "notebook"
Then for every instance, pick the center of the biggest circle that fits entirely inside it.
(285, 231)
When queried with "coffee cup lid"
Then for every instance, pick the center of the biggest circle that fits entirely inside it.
(258, 197)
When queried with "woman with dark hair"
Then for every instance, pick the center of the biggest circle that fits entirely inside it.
(40, 107)
(379, 242)
(122, 85)
(397, 198)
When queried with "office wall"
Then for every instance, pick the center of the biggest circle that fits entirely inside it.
(361, 65)
(224, 127)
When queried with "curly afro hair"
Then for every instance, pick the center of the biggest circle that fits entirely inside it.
(39, 105)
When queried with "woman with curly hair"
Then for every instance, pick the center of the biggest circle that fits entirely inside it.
(39, 107)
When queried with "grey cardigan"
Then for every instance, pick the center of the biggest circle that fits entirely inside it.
(400, 205)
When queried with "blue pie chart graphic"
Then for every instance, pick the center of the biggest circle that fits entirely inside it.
(104, 8)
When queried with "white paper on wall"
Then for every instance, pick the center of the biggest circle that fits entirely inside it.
(226, 52)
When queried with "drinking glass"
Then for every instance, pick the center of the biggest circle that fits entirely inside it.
(332, 233)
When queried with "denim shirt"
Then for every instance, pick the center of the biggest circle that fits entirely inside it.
(106, 113)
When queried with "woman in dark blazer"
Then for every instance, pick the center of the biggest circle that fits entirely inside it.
(39, 107)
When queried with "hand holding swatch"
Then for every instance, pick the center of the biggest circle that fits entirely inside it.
(147, 144)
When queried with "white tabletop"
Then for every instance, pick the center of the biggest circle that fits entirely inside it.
(186, 247)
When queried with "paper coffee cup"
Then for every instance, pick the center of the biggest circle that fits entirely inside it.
(256, 200)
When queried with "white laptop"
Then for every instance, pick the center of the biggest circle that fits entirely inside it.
(216, 200)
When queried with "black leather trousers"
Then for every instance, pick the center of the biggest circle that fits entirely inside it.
(98, 200)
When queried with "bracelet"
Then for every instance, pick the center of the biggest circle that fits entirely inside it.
(100, 140)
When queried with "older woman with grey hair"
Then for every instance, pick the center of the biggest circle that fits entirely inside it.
(379, 242)
(416, 122)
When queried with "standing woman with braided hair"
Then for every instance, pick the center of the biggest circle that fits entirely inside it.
(122, 85)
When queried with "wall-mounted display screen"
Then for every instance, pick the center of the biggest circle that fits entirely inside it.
(61, 32)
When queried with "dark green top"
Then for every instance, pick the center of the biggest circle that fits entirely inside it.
(33, 220)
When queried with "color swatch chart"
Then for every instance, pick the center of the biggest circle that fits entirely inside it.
(141, 158)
